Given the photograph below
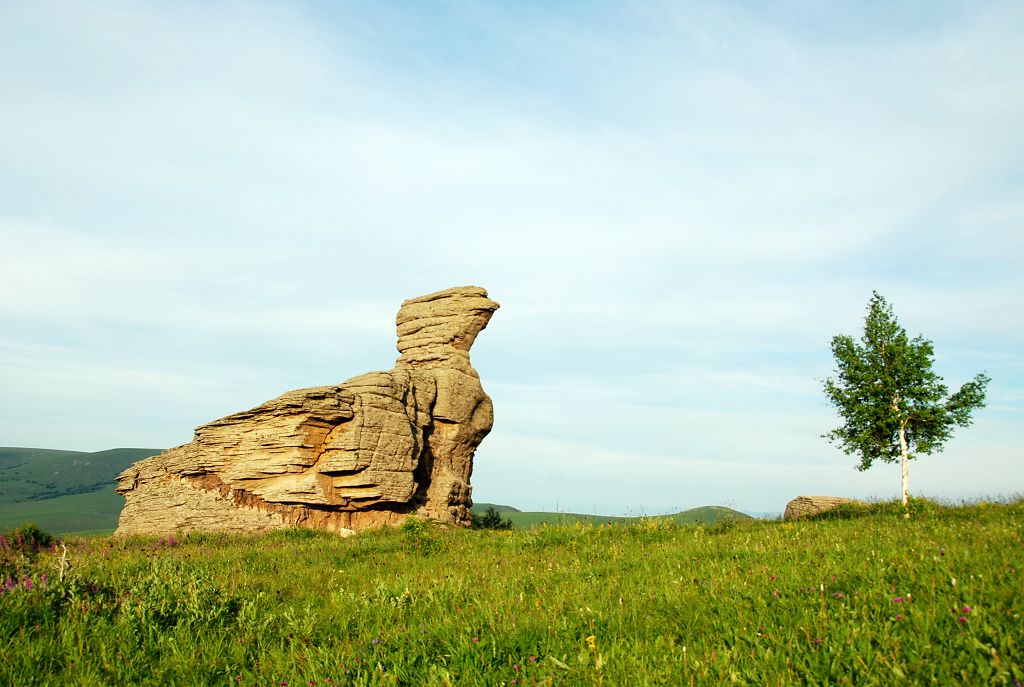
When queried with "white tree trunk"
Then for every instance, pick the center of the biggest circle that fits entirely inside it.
(905, 465)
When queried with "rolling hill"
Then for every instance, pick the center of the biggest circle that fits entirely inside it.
(34, 474)
(707, 515)
(63, 491)
(68, 492)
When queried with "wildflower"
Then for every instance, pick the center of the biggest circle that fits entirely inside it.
(966, 610)
(515, 666)
(819, 640)
(533, 658)
(962, 619)
(376, 641)
(238, 678)
(476, 639)
(897, 599)
(28, 584)
(771, 577)
(899, 617)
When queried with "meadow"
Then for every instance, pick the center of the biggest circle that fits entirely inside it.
(863, 597)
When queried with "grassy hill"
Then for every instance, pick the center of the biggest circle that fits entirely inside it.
(707, 515)
(93, 512)
(33, 474)
(874, 599)
(63, 491)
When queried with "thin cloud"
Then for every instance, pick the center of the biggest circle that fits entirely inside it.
(677, 207)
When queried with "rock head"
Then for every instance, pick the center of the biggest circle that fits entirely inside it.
(368, 452)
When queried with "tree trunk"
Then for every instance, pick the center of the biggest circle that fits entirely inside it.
(905, 465)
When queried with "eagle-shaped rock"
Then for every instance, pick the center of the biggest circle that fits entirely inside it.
(364, 453)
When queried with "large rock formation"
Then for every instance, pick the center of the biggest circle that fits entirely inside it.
(364, 453)
(803, 506)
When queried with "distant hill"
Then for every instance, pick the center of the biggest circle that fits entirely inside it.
(33, 474)
(482, 508)
(63, 491)
(708, 515)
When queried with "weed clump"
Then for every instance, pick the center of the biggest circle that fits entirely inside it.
(420, 537)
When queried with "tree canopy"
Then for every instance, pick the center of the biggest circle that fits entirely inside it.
(892, 402)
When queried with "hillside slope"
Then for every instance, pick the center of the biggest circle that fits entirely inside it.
(63, 491)
(34, 474)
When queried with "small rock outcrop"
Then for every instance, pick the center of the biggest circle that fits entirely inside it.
(802, 506)
(364, 453)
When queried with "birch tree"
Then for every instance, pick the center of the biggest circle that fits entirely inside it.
(892, 403)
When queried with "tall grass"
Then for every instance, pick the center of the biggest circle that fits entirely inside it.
(864, 599)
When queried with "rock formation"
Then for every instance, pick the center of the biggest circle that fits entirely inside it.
(802, 506)
(364, 453)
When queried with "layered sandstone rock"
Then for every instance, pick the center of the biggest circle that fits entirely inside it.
(802, 506)
(364, 453)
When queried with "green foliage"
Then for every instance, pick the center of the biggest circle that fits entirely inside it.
(420, 537)
(838, 601)
(885, 384)
(20, 547)
(490, 520)
(28, 536)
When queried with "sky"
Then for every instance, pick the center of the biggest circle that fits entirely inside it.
(678, 205)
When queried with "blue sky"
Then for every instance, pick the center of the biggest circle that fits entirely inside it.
(203, 205)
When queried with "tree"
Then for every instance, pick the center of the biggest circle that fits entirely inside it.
(491, 520)
(892, 403)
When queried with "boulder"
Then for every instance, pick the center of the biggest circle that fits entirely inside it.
(802, 506)
(364, 453)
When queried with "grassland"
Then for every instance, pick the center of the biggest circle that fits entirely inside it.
(867, 599)
(32, 474)
(63, 491)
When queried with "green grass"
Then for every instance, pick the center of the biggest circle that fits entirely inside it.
(31, 474)
(93, 511)
(867, 599)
